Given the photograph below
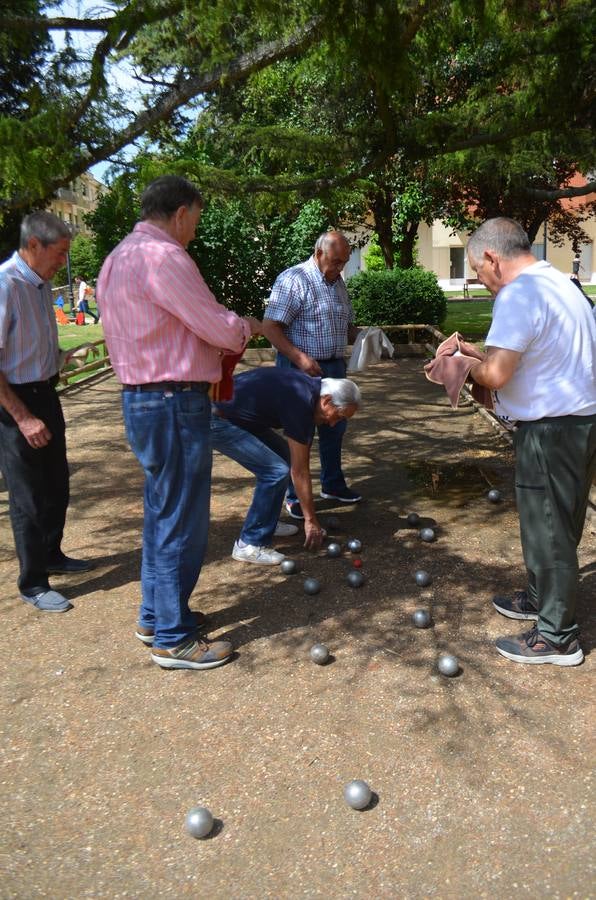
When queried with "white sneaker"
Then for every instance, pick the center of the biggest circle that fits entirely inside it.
(261, 556)
(285, 529)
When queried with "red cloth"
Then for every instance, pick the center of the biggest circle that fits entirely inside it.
(452, 371)
(224, 389)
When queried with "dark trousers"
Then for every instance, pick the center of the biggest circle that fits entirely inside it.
(555, 467)
(330, 439)
(38, 486)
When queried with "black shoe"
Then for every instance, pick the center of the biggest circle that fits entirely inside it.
(66, 565)
(295, 510)
(520, 606)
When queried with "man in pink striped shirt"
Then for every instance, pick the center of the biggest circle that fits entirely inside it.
(166, 336)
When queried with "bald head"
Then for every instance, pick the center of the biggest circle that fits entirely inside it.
(332, 251)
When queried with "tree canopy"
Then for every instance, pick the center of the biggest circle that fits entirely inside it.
(378, 90)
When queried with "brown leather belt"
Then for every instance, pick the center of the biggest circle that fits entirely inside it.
(175, 386)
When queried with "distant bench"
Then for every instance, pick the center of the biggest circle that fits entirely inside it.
(467, 284)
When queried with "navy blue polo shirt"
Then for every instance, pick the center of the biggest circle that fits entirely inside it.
(271, 397)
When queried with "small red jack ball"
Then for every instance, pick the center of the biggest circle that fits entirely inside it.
(357, 563)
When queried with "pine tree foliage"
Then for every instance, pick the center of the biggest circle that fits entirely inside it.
(301, 98)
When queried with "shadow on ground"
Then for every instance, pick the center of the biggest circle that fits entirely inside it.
(105, 753)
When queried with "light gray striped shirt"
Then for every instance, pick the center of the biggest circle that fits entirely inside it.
(28, 329)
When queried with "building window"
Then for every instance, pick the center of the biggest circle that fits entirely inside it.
(456, 262)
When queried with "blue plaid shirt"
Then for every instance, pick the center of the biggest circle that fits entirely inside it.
(316, 313)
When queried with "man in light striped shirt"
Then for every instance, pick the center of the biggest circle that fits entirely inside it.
(166, 335)
(311, 325)
(32, 433)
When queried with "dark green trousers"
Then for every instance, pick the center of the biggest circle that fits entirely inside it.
(555, 467)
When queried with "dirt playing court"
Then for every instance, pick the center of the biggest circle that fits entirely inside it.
(482, 781)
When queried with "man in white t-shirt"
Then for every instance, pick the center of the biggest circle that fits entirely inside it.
(541, 366)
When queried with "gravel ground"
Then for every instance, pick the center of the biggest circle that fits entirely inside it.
(482, 782)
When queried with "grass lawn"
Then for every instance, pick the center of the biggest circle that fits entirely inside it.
(468, 318)
(72, 335)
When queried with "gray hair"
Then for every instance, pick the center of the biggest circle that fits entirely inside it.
(45, 226)
(330, 237)
(342, 391)
(505, 236)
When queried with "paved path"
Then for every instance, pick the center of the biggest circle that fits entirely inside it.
(482, 781)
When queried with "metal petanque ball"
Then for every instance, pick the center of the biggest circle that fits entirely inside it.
(319, 654)
(199, 822)
(422, 578)
(288, 567)
(412, 519)
(355, 579)
(427, 534)
(311, 586)
(334, 550)
(354, 545)
(448, 665)
(494, 496)
(421, 618)
(357, 794)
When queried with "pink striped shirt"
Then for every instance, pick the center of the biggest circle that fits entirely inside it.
(160, 320)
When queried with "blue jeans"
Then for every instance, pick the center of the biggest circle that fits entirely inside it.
(330, 438)
(169, 434)
(266, 454)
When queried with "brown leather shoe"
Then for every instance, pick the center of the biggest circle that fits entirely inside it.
(193, 654)
(146, 635)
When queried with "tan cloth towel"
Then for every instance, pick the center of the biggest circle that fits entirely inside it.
(451, 367)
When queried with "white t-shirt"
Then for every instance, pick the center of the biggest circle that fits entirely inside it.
(83, 288)
(542, 315)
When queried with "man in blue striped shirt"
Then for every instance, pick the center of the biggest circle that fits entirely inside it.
(32, 438)
(312, 323)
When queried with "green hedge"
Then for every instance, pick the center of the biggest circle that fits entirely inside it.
(397, 297)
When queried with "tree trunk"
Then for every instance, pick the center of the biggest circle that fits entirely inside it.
(406, 247)
(533, 227)
(382, 210)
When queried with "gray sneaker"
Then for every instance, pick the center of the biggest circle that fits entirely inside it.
(48, 601)
(261, 556)
(517, 607)
(193, 654)
(146, 635)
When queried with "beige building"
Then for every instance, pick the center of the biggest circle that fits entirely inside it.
(71, 203)
(443, 251)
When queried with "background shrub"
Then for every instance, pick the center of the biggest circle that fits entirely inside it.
(397, 297)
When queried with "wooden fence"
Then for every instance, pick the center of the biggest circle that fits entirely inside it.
(99, 365)
(421, 337)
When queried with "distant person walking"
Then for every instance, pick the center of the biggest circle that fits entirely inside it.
(83, 303)
(575, 269)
